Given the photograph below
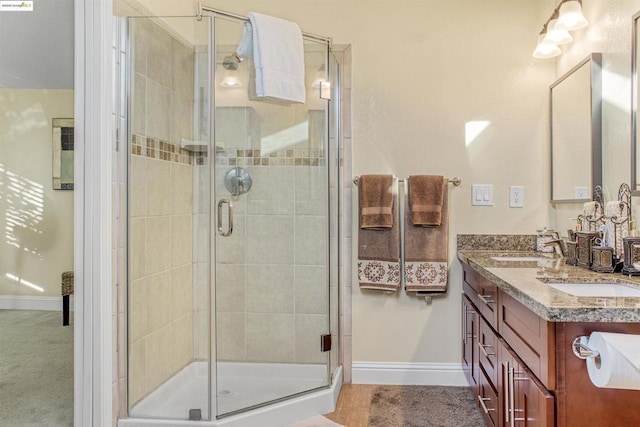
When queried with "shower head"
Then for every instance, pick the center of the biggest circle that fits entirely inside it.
(231, 62)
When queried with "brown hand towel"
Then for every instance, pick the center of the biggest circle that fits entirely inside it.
(376, 197)
(426, 250)
(379, 249)
(425, 199)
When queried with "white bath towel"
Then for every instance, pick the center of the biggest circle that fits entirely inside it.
(278, 56)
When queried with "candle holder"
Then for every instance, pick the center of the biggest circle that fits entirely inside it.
(585, 241)
(572, 253)
(631, 247)
(603, 259)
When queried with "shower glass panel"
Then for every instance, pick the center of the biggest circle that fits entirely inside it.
(169, 215)
(272, 263)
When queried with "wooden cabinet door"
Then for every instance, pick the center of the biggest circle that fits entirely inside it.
(525, 402)
(469, 338)
(534, 404)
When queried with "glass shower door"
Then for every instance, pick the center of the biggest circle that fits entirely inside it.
(169, 240)
(271, 195)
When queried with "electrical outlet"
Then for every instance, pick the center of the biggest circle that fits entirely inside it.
(580, 192)
(516, 196)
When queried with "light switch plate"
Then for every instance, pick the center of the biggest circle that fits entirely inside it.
(482, 194)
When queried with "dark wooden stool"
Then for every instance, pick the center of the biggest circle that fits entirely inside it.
(67, 289)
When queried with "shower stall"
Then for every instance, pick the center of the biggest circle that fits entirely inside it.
(233, 231)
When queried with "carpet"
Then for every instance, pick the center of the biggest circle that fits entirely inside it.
(36, 369)
(424, 406)
(318, 421)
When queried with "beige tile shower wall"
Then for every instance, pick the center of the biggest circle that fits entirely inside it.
(271, 294)
(161, 210)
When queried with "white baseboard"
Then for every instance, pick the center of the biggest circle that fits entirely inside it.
(11, 302)
(450, 374)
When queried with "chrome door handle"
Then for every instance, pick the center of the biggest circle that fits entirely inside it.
(221, 231)
(507, 387)
(512, 397)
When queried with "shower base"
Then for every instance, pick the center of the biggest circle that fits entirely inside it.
(240, 385)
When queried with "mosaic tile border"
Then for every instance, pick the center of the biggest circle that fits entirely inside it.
(285, 157)
(154, 148)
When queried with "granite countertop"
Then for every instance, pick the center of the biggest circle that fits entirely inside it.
(525, 281)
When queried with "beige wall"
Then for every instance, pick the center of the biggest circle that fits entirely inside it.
(424, 71)
(36, 244)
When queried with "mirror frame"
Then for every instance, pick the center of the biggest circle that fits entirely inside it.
(635, 191)
(60, 182)
(595, 62)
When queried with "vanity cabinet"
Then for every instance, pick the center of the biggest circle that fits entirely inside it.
(505, 354)
(522, 369)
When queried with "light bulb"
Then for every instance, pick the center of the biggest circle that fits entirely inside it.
(545, 49)
(570, 16)
(555, 35)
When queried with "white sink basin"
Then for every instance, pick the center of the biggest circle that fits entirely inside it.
(596, 289)
(520, 258)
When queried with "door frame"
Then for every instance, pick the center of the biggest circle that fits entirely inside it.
(93, 330)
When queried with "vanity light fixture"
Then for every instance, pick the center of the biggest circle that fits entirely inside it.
(567, 16)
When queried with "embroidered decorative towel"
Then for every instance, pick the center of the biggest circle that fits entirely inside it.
(425, 199)
(614, 239)
(426, 249)
(379, 233)
(278, 55)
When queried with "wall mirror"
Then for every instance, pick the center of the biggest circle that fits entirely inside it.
(576, 132)
(62, 141)
(635, 133)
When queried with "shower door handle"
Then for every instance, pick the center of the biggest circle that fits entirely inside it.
(221, 231)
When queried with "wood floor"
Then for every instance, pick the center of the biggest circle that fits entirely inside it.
(352, 409)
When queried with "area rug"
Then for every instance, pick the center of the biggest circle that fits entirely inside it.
(318, 421)
(36, 369)
(423, 406)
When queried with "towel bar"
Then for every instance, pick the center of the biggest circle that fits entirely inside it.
(456, 181)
